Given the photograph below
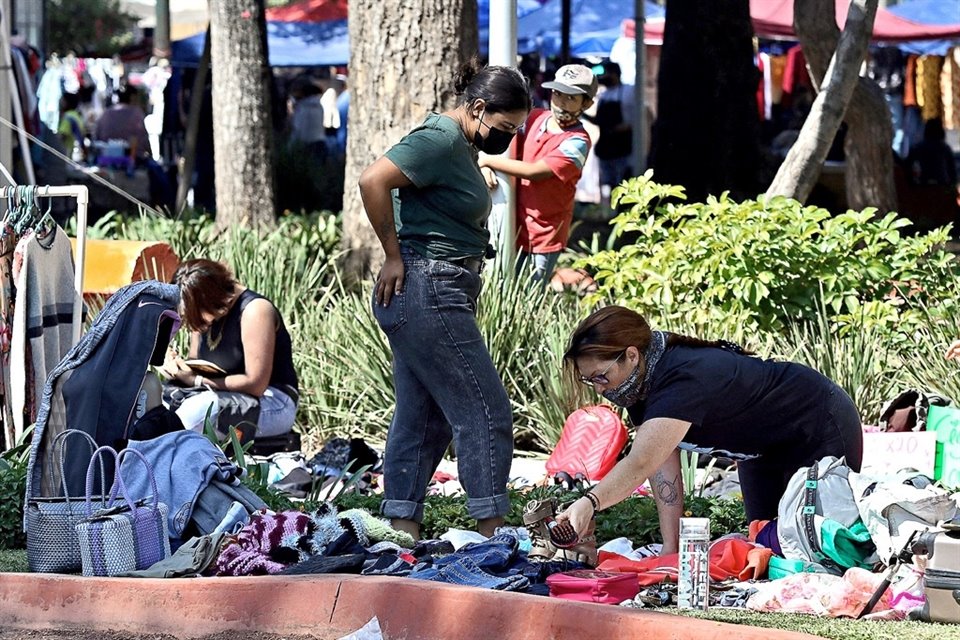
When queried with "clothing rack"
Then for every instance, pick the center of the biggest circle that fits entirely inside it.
(82, 194)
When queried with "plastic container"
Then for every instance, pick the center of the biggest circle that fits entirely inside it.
(693, 582)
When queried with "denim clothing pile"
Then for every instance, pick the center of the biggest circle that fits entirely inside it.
(325, 541)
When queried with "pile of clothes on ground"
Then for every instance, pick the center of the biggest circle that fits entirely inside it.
(354, 541)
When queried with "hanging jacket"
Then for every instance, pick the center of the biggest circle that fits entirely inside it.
(97, 383)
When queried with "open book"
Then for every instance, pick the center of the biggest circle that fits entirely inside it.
(205, 366)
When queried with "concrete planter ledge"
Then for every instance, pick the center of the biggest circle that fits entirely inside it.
(330, 606)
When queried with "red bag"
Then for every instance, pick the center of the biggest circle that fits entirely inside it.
(590, 585)
(591, 440)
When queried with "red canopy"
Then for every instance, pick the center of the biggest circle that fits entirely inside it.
(309, 11)
(774, 19)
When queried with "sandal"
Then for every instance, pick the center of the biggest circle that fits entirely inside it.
(536, 516)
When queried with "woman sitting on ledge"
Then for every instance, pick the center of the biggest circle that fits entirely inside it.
(242, 333)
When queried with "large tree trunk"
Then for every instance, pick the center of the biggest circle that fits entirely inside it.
(869, 174)
(242, 129)
(844, 96)
(404, 56)
(706, 136)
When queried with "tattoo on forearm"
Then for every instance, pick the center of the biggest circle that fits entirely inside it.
(668, 491)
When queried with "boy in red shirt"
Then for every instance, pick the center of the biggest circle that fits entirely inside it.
(551, 151)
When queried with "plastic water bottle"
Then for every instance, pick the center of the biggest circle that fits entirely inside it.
(693, 583)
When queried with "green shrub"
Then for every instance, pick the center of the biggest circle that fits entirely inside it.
(861, 357)
(759, 264)
(13, 486)
(923, 359)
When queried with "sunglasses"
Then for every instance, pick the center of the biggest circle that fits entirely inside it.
(601, 378)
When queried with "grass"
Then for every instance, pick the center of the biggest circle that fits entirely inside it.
(13, 561)
(832, 628)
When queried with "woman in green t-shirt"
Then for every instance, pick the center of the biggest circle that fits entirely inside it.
(425, 299)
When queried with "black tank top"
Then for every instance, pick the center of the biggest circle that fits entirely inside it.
(223, 345)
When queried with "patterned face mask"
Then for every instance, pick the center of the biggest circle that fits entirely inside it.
(634, 389)
(627, 393)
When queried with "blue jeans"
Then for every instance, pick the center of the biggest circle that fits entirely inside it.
(447, 389)
(542, 265)
(278, 412)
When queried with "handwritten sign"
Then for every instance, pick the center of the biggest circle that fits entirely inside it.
(887, 453)
(945, 422)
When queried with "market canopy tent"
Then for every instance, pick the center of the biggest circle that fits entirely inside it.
(308, 33)
(940, 12)
(314, 32)
(774, 19)
(594, 26)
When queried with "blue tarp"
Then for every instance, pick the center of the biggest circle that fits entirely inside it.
(938, 12)
(290, 44)
(595, 25)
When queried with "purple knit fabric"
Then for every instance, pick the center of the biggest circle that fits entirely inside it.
(267, 544)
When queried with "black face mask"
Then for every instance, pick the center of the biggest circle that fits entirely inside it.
(496, 141)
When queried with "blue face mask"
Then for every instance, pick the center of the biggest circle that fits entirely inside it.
(629, 392)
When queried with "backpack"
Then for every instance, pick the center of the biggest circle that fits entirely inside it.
(908, 411)
(818, 514)
(590, 443)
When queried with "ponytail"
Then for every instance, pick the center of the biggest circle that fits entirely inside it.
(503, 89)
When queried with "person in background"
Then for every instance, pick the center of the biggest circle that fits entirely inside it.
(931, 161)
(706, 396)
(425, 299)
(242, 332)
(125, 121)
(307, 117)
(331, 115)
(551, 150)
(343, 107)
(72, 132)
(615, 117)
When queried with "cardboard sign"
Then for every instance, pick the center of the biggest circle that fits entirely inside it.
(887, 453)
(945, 422)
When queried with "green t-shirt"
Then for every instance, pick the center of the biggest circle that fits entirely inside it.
(443, 214)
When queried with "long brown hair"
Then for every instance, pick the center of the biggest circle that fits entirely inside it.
(205, 285)
(608, 332)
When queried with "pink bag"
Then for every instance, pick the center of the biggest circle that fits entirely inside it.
(591, 440)
(590, 585)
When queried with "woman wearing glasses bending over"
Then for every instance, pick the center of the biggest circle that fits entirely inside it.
(712, 397)
(425, 299)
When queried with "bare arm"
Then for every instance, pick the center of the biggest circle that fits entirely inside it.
(656, 441)
(376, 183)
(258, 335)
(667, 484)
(535, 171)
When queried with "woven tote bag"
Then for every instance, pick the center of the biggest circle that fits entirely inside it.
(51, 521)
(127, 535)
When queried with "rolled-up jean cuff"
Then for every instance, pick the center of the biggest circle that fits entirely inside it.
(402, 510)
(493, 507)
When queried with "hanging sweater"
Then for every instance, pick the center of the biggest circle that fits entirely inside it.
(42, 318)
